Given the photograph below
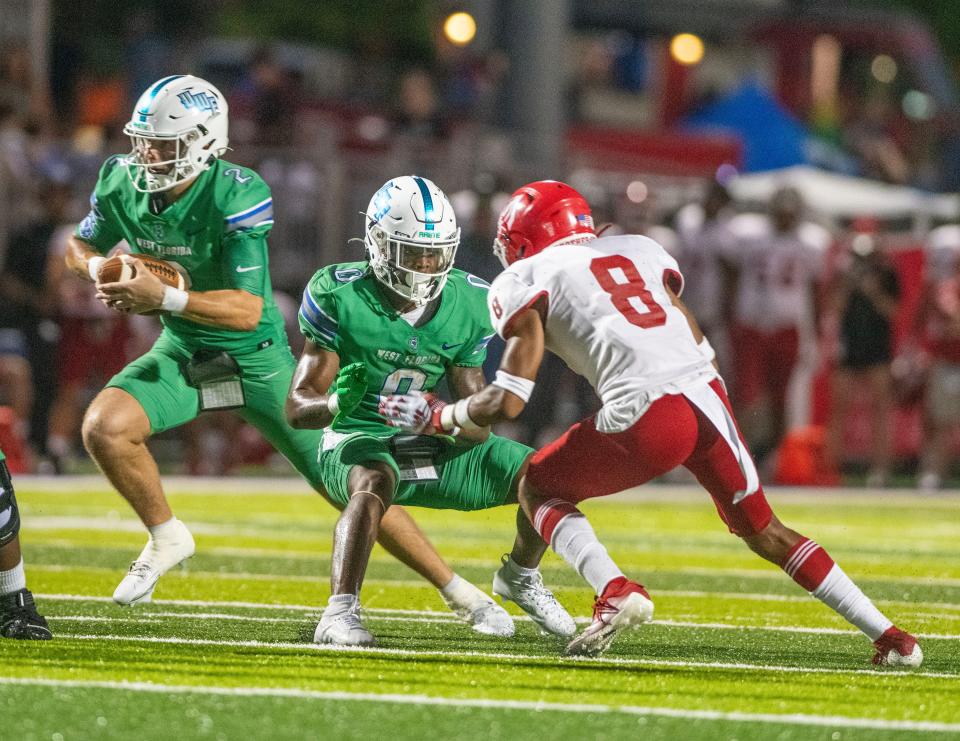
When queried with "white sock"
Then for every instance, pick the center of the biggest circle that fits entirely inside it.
(517, 570)
(340, 603)
(165, 530)
(13, 580)
(576, 543)
(461, 592)
(842, 595)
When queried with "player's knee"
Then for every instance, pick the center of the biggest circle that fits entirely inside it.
(9, 514)
(105, 427)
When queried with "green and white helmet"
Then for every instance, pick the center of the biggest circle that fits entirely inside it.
(185, 118)
(411, 237)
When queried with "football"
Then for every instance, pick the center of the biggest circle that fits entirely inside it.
(116, 269)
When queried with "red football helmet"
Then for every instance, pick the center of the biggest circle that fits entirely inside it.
(539, 215)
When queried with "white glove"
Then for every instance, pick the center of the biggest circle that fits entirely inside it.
(413, 412)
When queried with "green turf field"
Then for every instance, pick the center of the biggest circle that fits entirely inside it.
(737, 650)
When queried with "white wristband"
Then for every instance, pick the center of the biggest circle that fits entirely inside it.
(93, 266)
(448, 422)
(461, 415)
(333, 404)
(174, 300)
(521, 387)
(707, 349)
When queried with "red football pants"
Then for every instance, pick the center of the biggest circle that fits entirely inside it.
(584, 463)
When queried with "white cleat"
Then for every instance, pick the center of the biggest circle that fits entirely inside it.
(478, 609)
(623, 605)
(531, 596)
(155, 560)
(341, 625)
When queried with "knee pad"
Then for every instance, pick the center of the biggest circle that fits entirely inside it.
(9, 515)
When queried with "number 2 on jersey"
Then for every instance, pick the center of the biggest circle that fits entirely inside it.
(621, 293)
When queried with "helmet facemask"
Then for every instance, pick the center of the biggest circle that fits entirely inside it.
(417, 269)
(177, 161)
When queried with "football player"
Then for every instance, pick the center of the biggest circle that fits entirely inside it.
(400, 322)
(610, 308)
(223, 343)
(18, 612)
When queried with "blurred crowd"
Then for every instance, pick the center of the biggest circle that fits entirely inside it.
(840, 346)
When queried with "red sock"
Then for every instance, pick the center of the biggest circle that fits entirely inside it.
(548, 515)
(807, 564)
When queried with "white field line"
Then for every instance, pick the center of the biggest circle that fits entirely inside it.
(833, 721)
(598, 661)
(428, 616)
(415, 583)
(94, 524)
(439, 616)
(659, 492)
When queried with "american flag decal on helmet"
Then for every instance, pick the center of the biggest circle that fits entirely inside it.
(585, 220)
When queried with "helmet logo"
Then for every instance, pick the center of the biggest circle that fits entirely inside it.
(381, 202)
(202, 100)
(585, 220)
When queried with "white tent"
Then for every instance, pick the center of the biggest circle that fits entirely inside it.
(842, 196)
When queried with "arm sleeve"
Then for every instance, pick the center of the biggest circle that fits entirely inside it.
(99, 228)
(509, 295)
(318, 315)
(245, 261)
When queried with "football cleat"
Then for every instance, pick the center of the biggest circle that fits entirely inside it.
(19, 618)
(340, 625)
(478, 609)
(155, 560)
(624, 604)
(896, 648)
(529, 594)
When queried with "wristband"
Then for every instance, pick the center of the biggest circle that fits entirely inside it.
(93, 266)
(174, 299)
(461, 415)
(707, 349)
(333, 404)
(520, 387)
(448, 422)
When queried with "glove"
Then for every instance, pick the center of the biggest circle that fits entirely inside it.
(416, 412)
(350, 385)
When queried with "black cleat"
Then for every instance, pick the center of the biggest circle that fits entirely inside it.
(19, 618)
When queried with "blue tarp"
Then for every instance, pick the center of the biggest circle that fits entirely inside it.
(772, 138)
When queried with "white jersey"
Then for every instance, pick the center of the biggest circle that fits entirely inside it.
(610, 319)
(702, 244)
(777, 271)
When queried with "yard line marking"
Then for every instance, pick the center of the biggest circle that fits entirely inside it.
(432, 615)
(495, 704)
(598, 660)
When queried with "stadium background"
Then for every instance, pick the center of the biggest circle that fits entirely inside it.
(640, 105)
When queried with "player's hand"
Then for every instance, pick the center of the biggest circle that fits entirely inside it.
(415, 412)
(143, 292)
(350, 386)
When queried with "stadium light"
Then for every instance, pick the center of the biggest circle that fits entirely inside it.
(686, 48)
(883, 68)
(460, 28)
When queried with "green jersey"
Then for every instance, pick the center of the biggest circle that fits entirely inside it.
(216, 232)
(345, 310)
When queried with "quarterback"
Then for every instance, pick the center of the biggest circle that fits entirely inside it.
(610, 308)
(398, 323)
(223, 344)
(18, 612)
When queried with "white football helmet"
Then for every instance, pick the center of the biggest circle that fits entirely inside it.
(178, 128)
(411, 237)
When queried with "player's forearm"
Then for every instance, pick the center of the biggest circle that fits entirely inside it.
(228, 309)
(494, 404)
(78, 257)
(307, 410)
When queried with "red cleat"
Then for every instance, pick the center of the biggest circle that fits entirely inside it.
(896, 648)
(623, 604)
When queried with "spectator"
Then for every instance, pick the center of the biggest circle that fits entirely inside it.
(704, 237)
(865, 294)
(940, 314)
(419, 115)
(26, 300)
(776, 261)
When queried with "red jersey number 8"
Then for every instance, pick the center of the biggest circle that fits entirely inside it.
(621, 293)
